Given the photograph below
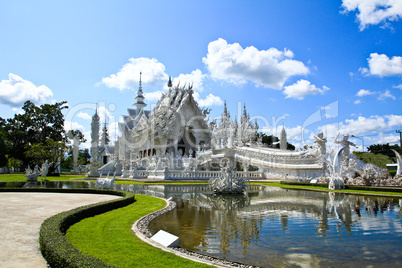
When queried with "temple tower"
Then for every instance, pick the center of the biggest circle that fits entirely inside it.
(95, 127)
(283, 139)
(140, 104)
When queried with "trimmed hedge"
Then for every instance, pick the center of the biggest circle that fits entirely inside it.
(55, 247)
(304, 183)
(348, 187)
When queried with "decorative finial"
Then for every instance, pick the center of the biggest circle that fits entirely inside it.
(170, 82)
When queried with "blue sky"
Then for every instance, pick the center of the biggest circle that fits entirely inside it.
(331, 66)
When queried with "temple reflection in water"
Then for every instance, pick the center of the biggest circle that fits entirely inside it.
(273, 227)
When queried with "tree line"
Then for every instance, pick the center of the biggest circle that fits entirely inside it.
(35, 135)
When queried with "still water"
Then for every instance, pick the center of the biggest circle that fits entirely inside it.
(273, 227)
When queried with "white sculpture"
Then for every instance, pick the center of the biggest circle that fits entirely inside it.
(321, 141)
(345, 143)
(76, 144)
(105, 183)
(399, 161)
(44, 170)
(335, 180)
(32, 175)
(228, 183)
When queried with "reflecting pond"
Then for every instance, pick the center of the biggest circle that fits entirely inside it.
(274, 227)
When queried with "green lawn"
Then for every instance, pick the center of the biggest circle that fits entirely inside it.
(109, 237)
(20, 177)
(319, 188)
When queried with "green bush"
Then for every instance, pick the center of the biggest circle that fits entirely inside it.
(55, 247)
(374, 189)
(304, 183)
(392, 173)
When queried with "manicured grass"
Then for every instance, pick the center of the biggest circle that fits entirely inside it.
(20, 177)
(109, 237)
(318, 188)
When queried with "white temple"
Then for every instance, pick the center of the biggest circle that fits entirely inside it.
(175, 141)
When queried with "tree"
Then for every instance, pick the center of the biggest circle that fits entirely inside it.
(50, 150)
(379, 160)
(4, 143)
(273, 141)
(384, 149)
(83, 159)
(269, 140)
(35, 126)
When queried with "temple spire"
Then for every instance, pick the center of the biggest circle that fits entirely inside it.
(225, 110)
(170, 84)
(140, 104)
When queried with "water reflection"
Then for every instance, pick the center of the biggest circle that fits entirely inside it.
(277, 227)
(273, 227)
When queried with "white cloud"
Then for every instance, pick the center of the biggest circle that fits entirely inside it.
(386, 138)
(364, 92)
(195, 78)
(269, 68)
(358, 126)
(386, 95)
(398, 86)
(85, 116)
(128, 76)
(357, 101)
(302, 88)
(15, 91)
(374, 11)
(364, 124)
(394, 120)
(382, 65)
(69, 125)
(153, 96)
(210, 100)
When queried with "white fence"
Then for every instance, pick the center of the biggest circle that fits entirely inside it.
(189, 175)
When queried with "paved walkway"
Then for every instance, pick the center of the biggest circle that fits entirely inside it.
(21, 215)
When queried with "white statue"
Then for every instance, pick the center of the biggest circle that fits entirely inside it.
(44, 170)
(345, 144)
(321, 141)
(76, 144)
(399, 161)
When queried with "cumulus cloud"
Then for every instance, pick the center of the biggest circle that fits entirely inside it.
(268, 68)
(210, 100)
(373, 12)
(394, 120)
(302, 88)
(153, 96)
(15, 91)
(361, 125)
(364, 92)
(128, 76)
(386, 95)
(195, 78)
(69, 125)
(382, 65)
(85, 116)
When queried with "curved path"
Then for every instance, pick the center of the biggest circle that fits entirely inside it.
(21, 215)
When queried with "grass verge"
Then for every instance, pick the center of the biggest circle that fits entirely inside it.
(20, 177)
(109, 238)
(320, 188)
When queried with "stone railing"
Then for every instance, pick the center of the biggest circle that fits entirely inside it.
(138, 174)
(275, 158)
(190, 175)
